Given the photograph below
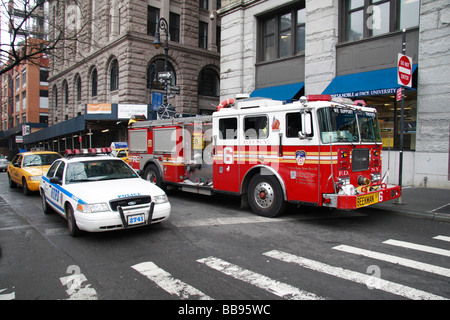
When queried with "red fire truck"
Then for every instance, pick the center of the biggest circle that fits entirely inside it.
(315, 151)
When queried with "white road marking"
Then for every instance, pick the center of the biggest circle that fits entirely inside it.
(397, 260)
(443, 238)
(377, 283)
(76, 290)
(168, 283)
(257, 219)
(419, 247)
(273, 286)
(7, 296)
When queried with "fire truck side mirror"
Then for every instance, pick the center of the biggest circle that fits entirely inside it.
(306, 130)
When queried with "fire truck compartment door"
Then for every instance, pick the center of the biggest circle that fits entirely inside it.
(226, 154)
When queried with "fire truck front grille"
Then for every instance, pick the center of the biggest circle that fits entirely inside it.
(360, 159)
(129, 201)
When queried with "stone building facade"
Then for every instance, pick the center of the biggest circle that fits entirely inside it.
(333, 47)
(108, 55)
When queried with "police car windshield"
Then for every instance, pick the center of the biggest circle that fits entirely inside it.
(96, 170)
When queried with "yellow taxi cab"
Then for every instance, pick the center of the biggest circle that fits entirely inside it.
(120, 150)
(26, 169)
(121, 153)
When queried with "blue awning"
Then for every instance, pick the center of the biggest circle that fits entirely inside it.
(370, 83)
(282, 92)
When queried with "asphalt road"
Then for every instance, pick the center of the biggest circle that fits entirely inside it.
(212, 249)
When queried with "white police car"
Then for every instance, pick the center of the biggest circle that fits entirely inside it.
(99, 193)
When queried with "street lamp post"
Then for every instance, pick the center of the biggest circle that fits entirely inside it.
(164, 26)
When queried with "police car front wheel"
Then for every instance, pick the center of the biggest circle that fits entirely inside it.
(71, 223)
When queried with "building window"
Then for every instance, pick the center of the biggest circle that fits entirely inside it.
(94, 83)
(66, 93)
(209, 83)
(152, 74)
(203, 35)
(282, 33)
(204, 4)
(78, 86)
(24, 78)
(43, 77)
(152, 20)
(174, 27)
(363, 19)
(114, 76)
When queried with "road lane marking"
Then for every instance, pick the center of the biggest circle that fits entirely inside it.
(76, 290)
(257, 219)
(357, 277)
(7, 296)
(443, 238)
(394, 259)
(168, 283)
(419, 247)
(273, 286)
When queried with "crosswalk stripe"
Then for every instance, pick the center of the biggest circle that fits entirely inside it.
(394, 259)
(419, 247)
(278, 288)
(443, 238)
(377, 283)
(168, 283)
(7, 296)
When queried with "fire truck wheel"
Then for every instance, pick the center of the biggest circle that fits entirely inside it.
(265, 196)
(151, 174)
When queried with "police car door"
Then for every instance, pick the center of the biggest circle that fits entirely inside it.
(52, 191)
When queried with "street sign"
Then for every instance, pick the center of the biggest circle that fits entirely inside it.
(165, 75)
(173, 89)
(399, 94)
(404, 70)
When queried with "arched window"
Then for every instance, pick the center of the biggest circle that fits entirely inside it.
(94, 83)
(152, 74)
(114, 76)
(55, 103)
(78, 86)
(209, 83)
(66, 93)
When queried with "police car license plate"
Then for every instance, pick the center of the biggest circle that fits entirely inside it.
(367, 199)
(136, 219)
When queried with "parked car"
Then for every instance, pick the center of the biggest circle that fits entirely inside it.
(3, 162)
(97, 193)
(26, 169)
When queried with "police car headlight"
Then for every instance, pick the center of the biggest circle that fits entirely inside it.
(94, 207)
(34, 178)
(160, 199)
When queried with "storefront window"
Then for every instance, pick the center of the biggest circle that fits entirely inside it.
(389, 112)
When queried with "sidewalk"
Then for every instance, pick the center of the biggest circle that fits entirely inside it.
(427, 203)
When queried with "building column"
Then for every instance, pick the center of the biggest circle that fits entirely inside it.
(321, 39)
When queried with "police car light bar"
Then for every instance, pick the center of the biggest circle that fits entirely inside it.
(86, 152)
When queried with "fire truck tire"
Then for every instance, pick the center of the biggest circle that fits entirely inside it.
(265, 196)
(153, 175)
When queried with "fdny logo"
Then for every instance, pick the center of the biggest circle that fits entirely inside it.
(300, 156)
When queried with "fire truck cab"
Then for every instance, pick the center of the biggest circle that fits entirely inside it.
(315, 151)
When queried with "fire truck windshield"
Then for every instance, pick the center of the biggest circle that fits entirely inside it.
(339, 124)
(368, 126)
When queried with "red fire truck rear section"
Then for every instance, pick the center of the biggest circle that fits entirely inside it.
(315, 151)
